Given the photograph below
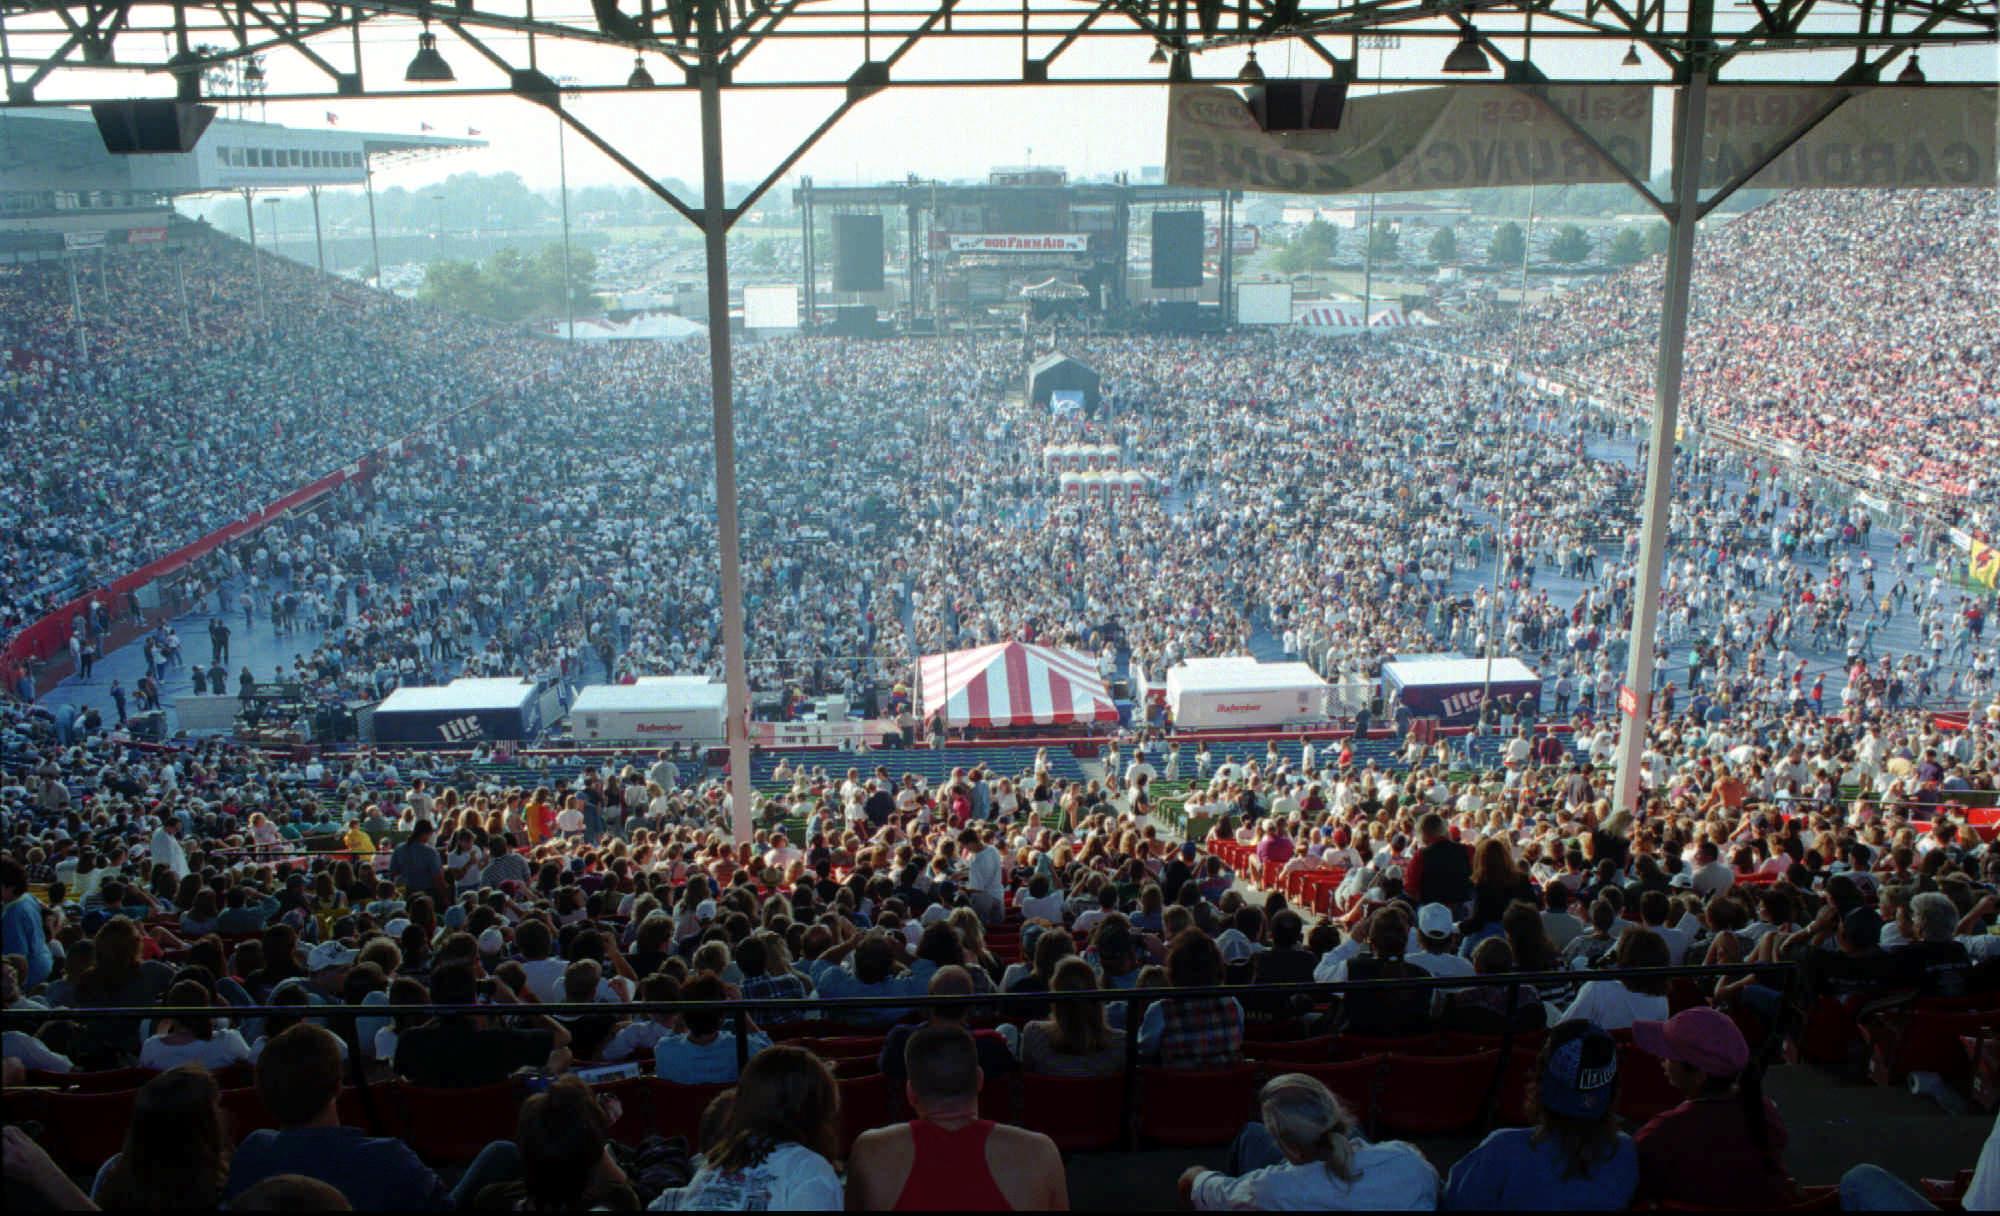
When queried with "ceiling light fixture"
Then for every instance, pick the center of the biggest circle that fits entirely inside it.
(1467, 58)
(427, 66)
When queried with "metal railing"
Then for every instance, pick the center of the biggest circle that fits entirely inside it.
(1135, 1002)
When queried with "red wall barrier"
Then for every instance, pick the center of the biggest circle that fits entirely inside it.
(48, 638)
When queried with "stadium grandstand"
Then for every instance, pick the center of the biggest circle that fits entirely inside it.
(952, 750)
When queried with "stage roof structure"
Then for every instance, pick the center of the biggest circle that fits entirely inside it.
(180, 49)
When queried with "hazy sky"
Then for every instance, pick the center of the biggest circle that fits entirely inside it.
(929, 131)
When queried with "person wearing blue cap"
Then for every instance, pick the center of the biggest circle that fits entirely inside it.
(1574, 1158)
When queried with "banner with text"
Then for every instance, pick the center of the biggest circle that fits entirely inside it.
(1982, 565)
(1939, 136)
(1000, 242)
(1456, 138)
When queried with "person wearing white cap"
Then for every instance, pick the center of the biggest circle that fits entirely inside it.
(1436, 943)
(327, 965)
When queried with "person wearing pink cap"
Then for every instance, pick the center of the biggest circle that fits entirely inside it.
(1726, 1125)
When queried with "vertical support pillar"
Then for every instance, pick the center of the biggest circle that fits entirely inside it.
(910, 219)
(715, 230)
(76, 309)
(181, 282)
(806, 249)
(1368, 272)
(1692, 101)
(1226, 261)
(319, 238)
(1121, 266)
(256, 259)
(374, 241)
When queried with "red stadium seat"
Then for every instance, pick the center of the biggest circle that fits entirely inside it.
(102, 1081)
(1355, 1082)
(1512, 1108)
(1922, 1039)
(635, 1113)
(244, 1112)
(1081, 1114)
(1193, 1107)
(1315, 1050)
(1434, 1095)
(450, 1126)
(84, 1130)
(1643, 1090)
(846, 1046)
(864, 1105)
(676, 1109)
(1354, 1046)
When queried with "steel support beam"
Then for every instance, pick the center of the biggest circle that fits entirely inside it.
(715, 221)
(1691, 100)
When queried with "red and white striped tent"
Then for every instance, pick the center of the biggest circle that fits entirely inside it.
(1347, 318)
(1013, 684)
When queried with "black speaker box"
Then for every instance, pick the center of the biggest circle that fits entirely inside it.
(1297, 105)
(1177, 237)
(857, 253)
(854, 321)
(132, 127)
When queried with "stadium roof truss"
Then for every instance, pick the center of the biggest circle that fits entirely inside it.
(861, 47)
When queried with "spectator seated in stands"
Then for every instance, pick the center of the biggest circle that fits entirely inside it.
(1574, 1158)
(456, 1050)
(704, 1053)
(1489, 1009)
(1615, 1004)
(298, 1078)
(1726, 1124)
(1193, 1032)
(191, 1039)
(564, 1134)
(1307, 1154)
(995, 1055)
(1075, 1040)
(176, 1152)
(776, 1146)
(947, 1157)
(877, 969)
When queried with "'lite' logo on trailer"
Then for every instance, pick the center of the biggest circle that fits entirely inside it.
(1460, 703)
(458, 730)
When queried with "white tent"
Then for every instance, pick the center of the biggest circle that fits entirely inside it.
(655, 327)
(653, 709)
(1238, 691)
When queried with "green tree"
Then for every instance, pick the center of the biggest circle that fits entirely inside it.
(1509, 245)
(1382, 242)
(1444, 246)
(510, 285)
(1322, 238)
(1656, 239)
(1311, 248)
(1294, 257)
(1627, 247)
(1572, 244)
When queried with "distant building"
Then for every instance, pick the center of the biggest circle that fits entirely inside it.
(1353, 213)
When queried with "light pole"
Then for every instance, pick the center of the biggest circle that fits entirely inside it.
(562, 173)
(1382, 43)
(271, 201)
